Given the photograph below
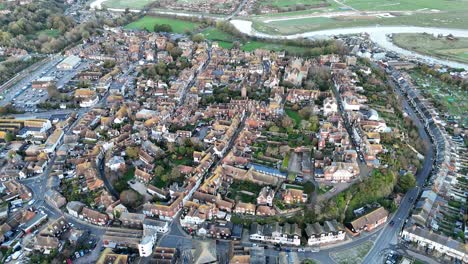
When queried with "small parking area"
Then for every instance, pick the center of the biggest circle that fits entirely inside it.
(140, 188)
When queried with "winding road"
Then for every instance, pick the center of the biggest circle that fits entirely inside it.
(389, 235)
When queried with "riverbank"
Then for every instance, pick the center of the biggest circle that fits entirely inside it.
(442, 47)
(379, 35)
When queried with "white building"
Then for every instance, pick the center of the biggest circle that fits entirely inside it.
(329, 232)
(145, 247)
(289, 234)
(439, 243)
(74, 208)
(35, 128)
(191, 219)
(115, 163)
(53, 140)
(89, 102)
(156, 225)
(329, 106)
(69, 63)
(351, 104)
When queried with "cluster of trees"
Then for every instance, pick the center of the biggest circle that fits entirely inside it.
(163, 71)
(221, 95)
(198, 38)
(406, 182)
(313, 48)
(71, 191)
(9, 68)
(229, 28)
(374, 188)
(131, 199)
(173, 175)
(166, 170)
(122, 20)
(162, 28)
(22, 27)
(8, 109)
(445, 76)
(319, 77)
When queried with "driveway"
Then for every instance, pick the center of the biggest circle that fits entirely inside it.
(295, 162)
(141, 189)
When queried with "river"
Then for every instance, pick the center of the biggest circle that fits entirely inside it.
(376, 34)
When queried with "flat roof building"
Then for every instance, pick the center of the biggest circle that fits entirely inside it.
(69, 63)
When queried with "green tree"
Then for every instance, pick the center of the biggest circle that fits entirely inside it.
(132, 152)
(9, 137)
(287, 122)
(159, 170)
(198, 38)
(175, 173)
(274, 129)
(162, 28)
(309, 188)
(314, 123)
(52, 91)
(407, 182)
(130, 198)
(176, 52)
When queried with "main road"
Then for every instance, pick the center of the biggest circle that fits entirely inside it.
(389, 236)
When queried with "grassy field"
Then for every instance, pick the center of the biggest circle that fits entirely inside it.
(148, 22)
(287, 3)
(405, 5)
(294, 115)
(132, 4)
(352, 255)
(253, 45)
(453, 19)
(224, 40)
(433, 46)
(49, 32)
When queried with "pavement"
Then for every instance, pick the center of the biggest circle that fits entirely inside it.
(364, 170)
(389, 235)
(15, 90)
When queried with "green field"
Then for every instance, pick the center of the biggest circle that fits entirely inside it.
(287, 3)
(352, 255)
(294, 115)
(405, 5)
(431, 45)
(49, 32)
(148, 22)
(132, 4)
(429, 13)
(453, 19)
(253, 45)
(224, 40)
